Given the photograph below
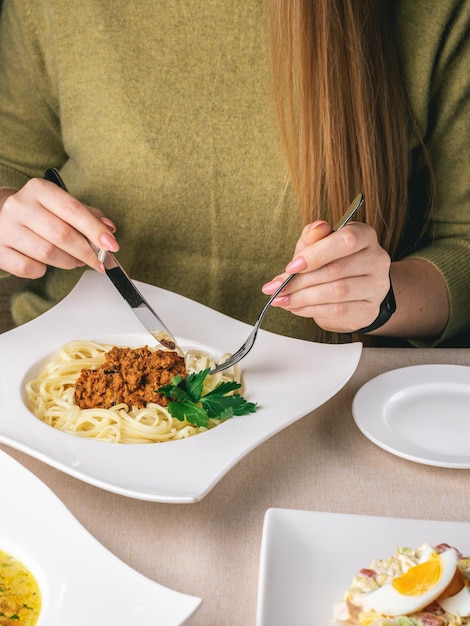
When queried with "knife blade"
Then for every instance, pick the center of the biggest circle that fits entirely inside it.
(122, 282)
(139, 305)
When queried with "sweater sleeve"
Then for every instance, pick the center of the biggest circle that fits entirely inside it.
(445, 122)
(29, 115)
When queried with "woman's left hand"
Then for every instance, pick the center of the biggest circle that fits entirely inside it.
(343, 277)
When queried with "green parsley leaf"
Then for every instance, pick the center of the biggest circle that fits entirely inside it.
(189, 411)
(224, 388)
(216, 405)
(187, 401)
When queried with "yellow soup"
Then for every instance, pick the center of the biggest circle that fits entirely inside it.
(20, 598)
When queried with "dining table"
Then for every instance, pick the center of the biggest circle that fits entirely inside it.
(322, 462)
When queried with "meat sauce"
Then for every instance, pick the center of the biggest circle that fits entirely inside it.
(130, 376)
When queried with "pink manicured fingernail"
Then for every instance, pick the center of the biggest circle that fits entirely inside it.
(109, 242)
(271, 287)
(297, 265)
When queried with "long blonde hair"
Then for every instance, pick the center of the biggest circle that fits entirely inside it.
(343, 113)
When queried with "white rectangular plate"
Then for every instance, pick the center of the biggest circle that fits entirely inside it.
(308, 559)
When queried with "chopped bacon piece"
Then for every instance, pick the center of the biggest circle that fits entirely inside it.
(369, 573)
(428, 619)
(129, 375)
(442, 547)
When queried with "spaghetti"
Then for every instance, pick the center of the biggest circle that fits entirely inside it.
(50, 397)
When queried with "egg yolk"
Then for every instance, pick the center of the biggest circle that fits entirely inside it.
(418, 579)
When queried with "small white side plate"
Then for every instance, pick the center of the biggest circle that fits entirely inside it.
(80, 581)
(288, 378)
(420, 413)
(308, 559)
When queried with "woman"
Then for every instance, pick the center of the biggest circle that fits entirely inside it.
(161, 116)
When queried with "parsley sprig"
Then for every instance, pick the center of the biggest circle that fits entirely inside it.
(187, 401)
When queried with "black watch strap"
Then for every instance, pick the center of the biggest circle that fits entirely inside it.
(387, 309)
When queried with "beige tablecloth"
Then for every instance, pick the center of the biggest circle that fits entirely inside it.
(321, 463)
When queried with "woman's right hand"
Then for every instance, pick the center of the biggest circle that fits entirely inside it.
(42, 225)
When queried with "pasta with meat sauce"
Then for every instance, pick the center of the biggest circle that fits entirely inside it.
(108, 393)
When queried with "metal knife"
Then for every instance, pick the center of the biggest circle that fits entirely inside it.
(136, 300)
(116, 273)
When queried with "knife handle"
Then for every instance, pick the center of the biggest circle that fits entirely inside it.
(53, 176)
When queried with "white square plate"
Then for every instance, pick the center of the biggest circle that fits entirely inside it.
(308, 559)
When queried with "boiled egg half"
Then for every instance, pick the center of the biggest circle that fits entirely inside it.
(417, 587)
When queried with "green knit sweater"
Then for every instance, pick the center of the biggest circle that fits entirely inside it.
(160, 113)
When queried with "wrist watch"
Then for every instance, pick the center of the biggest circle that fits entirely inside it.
(387, 309)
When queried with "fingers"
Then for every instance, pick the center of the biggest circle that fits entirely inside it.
(43, 225)
(341, 305)
(317, 252)
(74, 221)
(341, 278)
(312, 233)
(337, 245)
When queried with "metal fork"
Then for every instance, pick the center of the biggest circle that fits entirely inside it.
(246, 347)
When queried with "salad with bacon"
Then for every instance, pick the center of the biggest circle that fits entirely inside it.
(424, 586)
